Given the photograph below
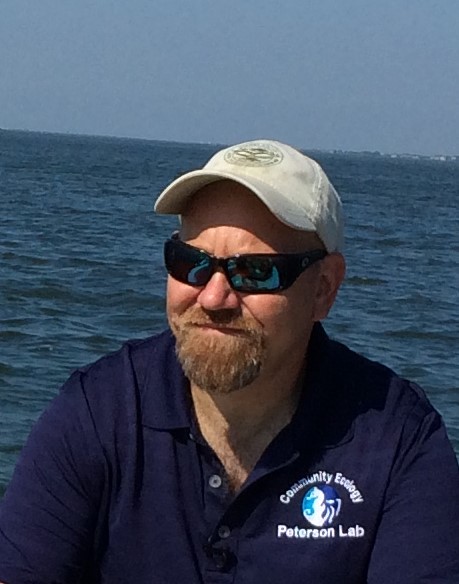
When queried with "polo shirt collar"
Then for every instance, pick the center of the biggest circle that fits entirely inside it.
(165, 395)
(325, 414)
(324, 418)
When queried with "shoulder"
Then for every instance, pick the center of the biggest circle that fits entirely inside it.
(375, 386)
(387, 419)
(111, 389)
(114, 378)
(128, 364)
(367, 400)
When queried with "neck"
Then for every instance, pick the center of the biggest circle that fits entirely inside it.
(240, 425)
(250, 406)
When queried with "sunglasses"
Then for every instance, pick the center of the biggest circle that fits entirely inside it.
(255, 273)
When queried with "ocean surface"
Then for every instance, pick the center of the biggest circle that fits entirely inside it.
(81, 263)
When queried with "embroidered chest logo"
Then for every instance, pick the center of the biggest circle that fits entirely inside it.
(321, 505)
(320, 498)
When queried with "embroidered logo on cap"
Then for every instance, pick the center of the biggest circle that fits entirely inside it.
(254, 155)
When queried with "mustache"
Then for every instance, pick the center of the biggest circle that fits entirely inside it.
(199, 317)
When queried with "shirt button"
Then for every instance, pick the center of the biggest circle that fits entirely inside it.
(224, 531)
(215, 481)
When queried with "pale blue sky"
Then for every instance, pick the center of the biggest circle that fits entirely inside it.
(328, 74)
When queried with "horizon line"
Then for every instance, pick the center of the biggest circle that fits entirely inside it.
(438, 156)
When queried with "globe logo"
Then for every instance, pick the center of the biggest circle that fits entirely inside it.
(254, 155)
(321, 505)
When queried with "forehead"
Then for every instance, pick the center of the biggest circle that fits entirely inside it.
(226, 207)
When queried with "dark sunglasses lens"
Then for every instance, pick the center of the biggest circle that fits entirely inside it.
(186, 264)
(251, 274)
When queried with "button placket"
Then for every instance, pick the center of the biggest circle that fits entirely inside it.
(221, 558)
(219, 553)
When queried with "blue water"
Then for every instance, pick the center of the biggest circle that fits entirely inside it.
(81, 271)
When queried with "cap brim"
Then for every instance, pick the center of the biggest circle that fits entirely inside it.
(175, 197)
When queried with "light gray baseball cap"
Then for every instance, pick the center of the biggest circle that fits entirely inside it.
(293, 187)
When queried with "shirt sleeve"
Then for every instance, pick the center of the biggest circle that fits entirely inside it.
(417, 540)
(49, 513)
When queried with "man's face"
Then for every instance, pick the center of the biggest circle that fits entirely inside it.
(227, 339)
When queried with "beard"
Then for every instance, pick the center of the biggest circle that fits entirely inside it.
(219, 363)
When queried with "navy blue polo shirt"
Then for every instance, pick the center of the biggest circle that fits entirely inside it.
(116, 484)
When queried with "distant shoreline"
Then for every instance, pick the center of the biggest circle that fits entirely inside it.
(370, 153)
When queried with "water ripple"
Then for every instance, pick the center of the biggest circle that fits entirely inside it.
(81, 264)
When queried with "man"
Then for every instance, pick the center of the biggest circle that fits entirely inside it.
(243, 445)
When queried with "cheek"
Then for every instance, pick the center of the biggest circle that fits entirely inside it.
(269, 311)
(179, 296)
(285, 322)
(298, 311)
(305, 298)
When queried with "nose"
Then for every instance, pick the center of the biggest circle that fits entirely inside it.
(217, 294)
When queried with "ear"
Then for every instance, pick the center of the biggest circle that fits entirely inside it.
(332, 270)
